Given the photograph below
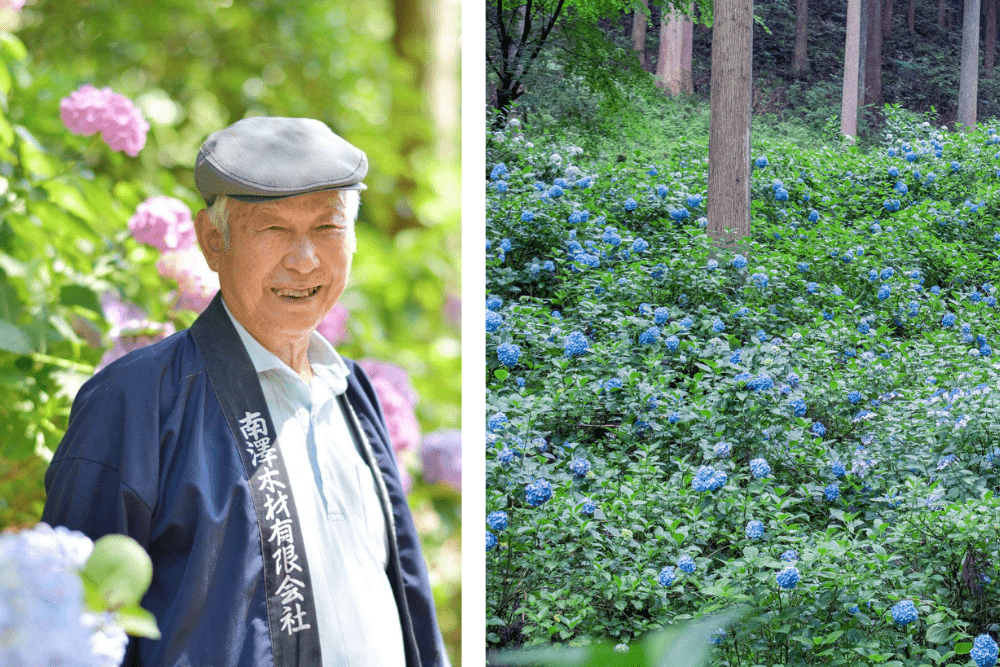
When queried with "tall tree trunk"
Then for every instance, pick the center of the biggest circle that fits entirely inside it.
(663, 52)
(729, 123)
(862, 58)
(911, 16)
(968, 83)
(687, 53)
(887, 10)
(800, 55)
(990, 40)
(942, 10)
(873, 56)
(852, 54)
(639, 33)
(674, 68)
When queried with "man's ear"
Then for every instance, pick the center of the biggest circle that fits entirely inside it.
(209, 239)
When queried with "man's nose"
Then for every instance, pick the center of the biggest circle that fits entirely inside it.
(302, 255)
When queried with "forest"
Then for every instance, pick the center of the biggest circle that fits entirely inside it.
(741, 310)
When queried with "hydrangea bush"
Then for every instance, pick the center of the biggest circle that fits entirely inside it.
(764, 425)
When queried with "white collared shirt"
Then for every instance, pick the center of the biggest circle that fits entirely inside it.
(343, 529)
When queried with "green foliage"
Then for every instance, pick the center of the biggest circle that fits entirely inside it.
(687, 350)
(115, 577)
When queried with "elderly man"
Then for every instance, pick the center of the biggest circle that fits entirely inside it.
(244, 454)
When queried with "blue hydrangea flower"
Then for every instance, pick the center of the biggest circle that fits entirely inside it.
(540, 443)
(686, 564)
(743, 378)
(555, 192)
(755, 530)
(493, 321)
(798, 407)
(649, 336)
(630, 204)
(734, 358)
(613, 383)
(499, 171)
(712, 265)
(686, 323)
(818, 429)
(508, 354)
(781, 194)
(948, 320)
(717, 637)
(790, 556)
(883, 292)
(666, 576)
(497, 520)
(672, 343)
(493, 303)
(984, 651)
(679, 214)
(574, 218)
(527, 216)
(761, 162)
(574, 344)
(901, 188)
(662, 190)
(674, 418)
(580, 466)
(639, 245)
(904, 612)
(694, 201)
(759, 280)
(491, 540)
(893, 171)
(661, 315)
(802, 267)
(718, 326)
(588, 507)
(788, 578)
(538, 492)
(832, 492)
(708, 479)
(812, 287)
(652, 171)
(760, 468)
(762, 382)
(793, 379)
(496, 422)
(722, 449)
(887, 273)
(813, 215)
(838, 469)
(506, 455)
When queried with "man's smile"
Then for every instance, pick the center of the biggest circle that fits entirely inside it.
(296, 294)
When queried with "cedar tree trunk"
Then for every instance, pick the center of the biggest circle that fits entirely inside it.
(800, 55)
(729, 123)
(852, 54)
(873, 56)
(968, 83)
(990, 40)
(639, 33)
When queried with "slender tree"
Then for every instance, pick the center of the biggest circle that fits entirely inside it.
(990, 38)
(673, 68)
(873, 56)
(639, 18)
(852, 56)
(911, 17)
(800, 55)
(729, 123)
(887, 17)
(942, 13)
(968, 83)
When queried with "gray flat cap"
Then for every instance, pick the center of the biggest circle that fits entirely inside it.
(264, 158)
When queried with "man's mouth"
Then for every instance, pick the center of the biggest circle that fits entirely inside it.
(296, 294)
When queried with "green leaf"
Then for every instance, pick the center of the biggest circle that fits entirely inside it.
(137, 622)
(938, 633)
(501, 374)
(120, 570)
(12, 339)
(78, 295)
(962, 648)
(12, 46)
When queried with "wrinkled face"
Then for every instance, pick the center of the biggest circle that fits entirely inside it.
(287, 263)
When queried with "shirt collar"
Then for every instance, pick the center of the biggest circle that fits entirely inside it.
(323, 358)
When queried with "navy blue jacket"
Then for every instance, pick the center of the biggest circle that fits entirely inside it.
(148, 453)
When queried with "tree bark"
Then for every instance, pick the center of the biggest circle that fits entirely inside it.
(800, 55)
(852, 54)
(639, 33)
(673, 69)
(873, 56)
(942, 9)
(887, 17)
(968, 83)
(911, 16)
(990, 39)
(728, 204)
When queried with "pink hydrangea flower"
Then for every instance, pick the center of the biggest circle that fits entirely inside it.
(163, 222)
(453, 310)
(404, 430)
(89, 110)
(441, 458)
(395, 375)
(12, 5)
(333, 327)
(196, 283)
(130, 329)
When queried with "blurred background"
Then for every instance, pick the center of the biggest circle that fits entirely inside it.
(78, 288)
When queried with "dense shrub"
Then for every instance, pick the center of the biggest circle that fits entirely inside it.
(682, 425)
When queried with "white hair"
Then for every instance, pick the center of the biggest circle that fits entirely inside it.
(218, 213)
